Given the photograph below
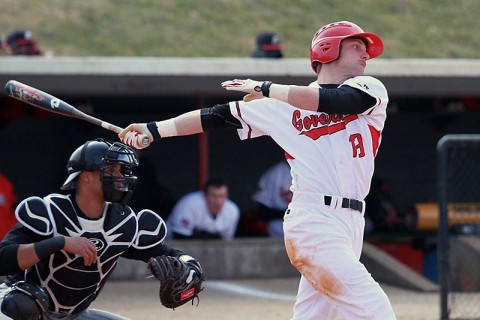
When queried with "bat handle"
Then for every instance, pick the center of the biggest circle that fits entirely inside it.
(145, 141)
(111, 127)
(116, 129)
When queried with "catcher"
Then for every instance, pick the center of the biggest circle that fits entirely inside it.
(65, 246)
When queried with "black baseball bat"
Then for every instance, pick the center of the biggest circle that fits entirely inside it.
(45, 101)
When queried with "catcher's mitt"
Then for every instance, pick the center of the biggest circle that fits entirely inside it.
(180, 281)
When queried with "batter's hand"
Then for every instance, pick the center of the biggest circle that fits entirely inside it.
(82, 247)
(252, 87)
(134, 135)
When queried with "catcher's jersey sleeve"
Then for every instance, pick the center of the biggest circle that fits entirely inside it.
(9, 246)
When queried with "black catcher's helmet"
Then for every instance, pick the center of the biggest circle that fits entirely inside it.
(98, 155)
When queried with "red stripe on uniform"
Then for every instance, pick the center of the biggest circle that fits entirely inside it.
(288, 156)
(323, 131)
(375, 138)
(237, 105)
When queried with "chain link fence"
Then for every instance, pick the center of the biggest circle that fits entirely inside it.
(458, 174)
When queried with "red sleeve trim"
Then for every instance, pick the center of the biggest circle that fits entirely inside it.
(375, 139)
(288, 156)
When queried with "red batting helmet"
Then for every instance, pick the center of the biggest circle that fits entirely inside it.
(325, 46)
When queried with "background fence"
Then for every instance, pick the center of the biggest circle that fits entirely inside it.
(459, 198)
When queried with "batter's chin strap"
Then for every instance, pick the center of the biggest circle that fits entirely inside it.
(25, 301)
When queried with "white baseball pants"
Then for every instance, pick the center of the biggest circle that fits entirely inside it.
(324, 243)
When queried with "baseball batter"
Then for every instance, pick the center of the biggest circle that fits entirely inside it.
(330, 132)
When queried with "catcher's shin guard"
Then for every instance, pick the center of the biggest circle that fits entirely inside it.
(24, 301)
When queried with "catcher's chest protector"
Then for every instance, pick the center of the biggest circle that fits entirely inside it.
(71, 285)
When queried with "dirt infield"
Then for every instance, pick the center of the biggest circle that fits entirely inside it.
(240, 300)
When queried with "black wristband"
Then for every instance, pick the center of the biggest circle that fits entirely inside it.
(47, 247)
(266, 88)
(152, 127)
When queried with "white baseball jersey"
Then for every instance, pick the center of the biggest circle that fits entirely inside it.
(191, 213)
(328, 153)
(274, 187)
(333, 155)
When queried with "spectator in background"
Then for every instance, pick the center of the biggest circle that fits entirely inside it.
(4, 48)
(273, 196)
(22, 43)
(207, 214)
(381, 212)
(7, 203)
(268, 45)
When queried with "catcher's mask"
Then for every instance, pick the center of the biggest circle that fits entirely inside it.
(325, 46)
(103, 156)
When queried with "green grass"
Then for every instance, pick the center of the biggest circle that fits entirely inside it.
(223, 28)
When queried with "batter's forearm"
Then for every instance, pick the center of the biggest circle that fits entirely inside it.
(188, 123)
(341, 100)
(141, 135)
(303, 97)
(300, 97)
(183, 125)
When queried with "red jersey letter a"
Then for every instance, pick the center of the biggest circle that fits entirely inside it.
(357, 145)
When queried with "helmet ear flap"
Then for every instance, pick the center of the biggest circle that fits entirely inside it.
(324, 51)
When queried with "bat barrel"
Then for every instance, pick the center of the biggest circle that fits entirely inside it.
(43, 100)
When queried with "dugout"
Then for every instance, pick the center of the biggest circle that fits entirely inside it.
(428, 99)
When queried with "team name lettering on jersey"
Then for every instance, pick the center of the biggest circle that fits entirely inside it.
(316, 125)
